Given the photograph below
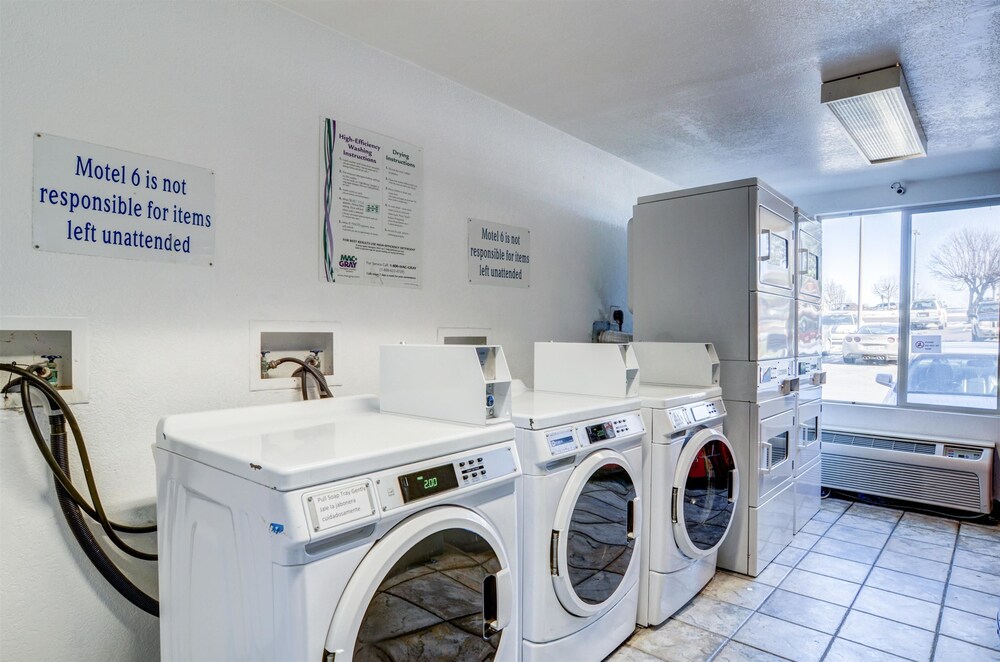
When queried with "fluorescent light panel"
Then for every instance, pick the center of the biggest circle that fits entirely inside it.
(877, 112)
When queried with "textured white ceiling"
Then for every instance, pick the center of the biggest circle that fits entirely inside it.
(710, 90)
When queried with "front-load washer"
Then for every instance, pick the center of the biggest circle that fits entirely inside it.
(691, 489)
(326, 530)
(582, 521)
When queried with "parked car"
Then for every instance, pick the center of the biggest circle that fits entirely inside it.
(925, 313)
(953, 379)
(883, 312)
(836, 326)
(984, 321)
(872, 342)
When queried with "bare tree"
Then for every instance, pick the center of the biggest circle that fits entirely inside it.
(834, 295)
(971, 259)
(886, 288)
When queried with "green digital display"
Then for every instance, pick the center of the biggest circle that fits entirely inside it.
(434, 480)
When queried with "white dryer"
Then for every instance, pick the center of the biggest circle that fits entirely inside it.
(326, 530)
(582, 521)
(691, 490)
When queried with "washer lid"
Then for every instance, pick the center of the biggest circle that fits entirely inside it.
(300, 444)
(537, 410)
(657, 396)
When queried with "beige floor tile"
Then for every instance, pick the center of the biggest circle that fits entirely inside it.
(924, 550)
(831, 566)
(773, 574)
(929, 521)
(675, 641)
(973, 561)
(867, 523)
(875, 512)
(858, 536)
(734, 651)
(888, 636)
(972, 601)
(896, 607)
(826, 515)
(913, 565)
(791, 555)
(821, 587)
(976, 580)
(629, 654)
(804, 540)
(843, 650)
(978, 545)
(981, 531)
(803, 610)
(737, 589)
(783, 638)
(846, 550)
(921, 534)
(952, 650)
(978, 630)
(713, 615)
(911, 585)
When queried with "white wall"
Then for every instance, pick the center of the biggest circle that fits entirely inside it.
(240, 88)
(920, 192)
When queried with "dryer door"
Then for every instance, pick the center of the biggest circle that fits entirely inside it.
(706, 487)
(594, 534)
(438, 586)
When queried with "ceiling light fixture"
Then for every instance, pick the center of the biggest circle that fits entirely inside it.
(878, 113)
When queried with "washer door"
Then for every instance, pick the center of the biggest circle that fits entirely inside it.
(594, 534)
(438, 586)
(706, 488)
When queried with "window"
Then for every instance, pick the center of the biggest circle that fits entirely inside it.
(910, 307)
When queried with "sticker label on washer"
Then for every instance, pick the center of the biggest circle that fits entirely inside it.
(340, 505)
(561, 441)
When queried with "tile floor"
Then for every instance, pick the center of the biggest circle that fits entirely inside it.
(859, 582)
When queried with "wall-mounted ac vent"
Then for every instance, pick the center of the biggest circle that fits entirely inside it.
(932, 473)
(878, 442)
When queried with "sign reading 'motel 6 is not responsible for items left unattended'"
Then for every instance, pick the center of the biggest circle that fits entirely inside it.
(94, 200)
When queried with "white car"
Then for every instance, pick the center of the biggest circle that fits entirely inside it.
(925, 313)
(967, 380)
(872, 343)
(836, 326)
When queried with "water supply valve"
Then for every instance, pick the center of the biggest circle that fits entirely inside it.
(265, 365)
(314, 359)
(53, 369)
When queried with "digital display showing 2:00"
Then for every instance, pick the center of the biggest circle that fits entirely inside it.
(420, 484)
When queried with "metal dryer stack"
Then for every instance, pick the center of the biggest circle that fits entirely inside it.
(718, 264)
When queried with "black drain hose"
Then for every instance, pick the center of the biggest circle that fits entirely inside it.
(84, 536)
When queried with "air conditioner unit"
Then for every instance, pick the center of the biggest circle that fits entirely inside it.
(937, 473)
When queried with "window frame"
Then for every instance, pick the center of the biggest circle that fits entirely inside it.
(906, 302)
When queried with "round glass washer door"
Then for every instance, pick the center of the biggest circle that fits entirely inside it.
(436, 587)
(594, 536)
(707, 486)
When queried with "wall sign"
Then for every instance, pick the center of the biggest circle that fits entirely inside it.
(499, 254)
(95, 200)
(370, 202)
(925, 344)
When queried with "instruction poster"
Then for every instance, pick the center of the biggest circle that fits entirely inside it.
(370, 205)
(499, 254)
(93, 200)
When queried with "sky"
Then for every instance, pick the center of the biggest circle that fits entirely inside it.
(880, 240)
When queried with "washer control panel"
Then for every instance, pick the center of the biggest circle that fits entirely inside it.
(694, 413)
(612, 427)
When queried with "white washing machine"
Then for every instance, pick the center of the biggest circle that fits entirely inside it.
(582, 521)
(326, 530)
(692, 486)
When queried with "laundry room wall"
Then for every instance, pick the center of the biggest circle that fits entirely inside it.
(240, 88)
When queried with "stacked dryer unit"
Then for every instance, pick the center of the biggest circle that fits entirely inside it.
(334, 530)
(580, 439)
(717, 264)
(809, 367)
(690, 478)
